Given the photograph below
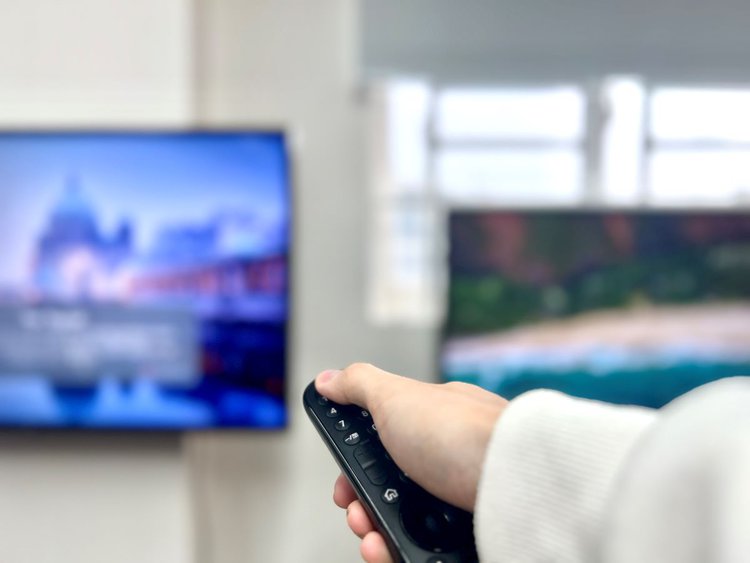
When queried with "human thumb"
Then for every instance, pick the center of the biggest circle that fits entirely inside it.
(360, 384)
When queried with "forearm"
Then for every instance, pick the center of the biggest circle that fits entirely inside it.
(549, 470)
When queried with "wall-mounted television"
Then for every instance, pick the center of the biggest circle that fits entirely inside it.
(144, 279)
(632, 307)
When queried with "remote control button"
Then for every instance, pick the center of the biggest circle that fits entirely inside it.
(372, 429)
(433, 524)
(322, 400)
(363, 414)
(342, 424)
(437, 559)
(333, 412)
(352, 439)
(366, 455)
(390, 496)
(377, 474)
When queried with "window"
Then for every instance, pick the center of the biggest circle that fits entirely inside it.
(699, 140)
(499, 145)
(620, 141)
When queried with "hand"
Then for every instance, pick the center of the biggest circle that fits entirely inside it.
(437, 434)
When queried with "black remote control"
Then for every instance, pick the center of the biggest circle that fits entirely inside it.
(417, 527)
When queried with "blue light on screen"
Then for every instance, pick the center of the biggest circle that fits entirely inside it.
(143, 279)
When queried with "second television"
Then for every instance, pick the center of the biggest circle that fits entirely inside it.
(144, 279)
(624, 306)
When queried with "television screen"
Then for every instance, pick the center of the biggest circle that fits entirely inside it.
(625, 307)
(143, 279)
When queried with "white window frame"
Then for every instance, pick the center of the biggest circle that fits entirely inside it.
(651, 145)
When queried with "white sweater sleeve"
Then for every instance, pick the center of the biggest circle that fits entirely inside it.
(567, 479)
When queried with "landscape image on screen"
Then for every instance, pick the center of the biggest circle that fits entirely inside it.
(624, 307)
(143, 279)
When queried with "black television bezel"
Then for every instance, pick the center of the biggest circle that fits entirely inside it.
(160, 433)
(450, 211)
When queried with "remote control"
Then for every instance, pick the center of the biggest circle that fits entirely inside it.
(417, 527)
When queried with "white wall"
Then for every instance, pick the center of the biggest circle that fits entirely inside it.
(293, 62)
(89, 499)
(95, 62)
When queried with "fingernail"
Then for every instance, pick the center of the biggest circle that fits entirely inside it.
(327, 375)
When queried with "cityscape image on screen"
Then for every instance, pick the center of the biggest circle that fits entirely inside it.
(625, 307)
(143, 279)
